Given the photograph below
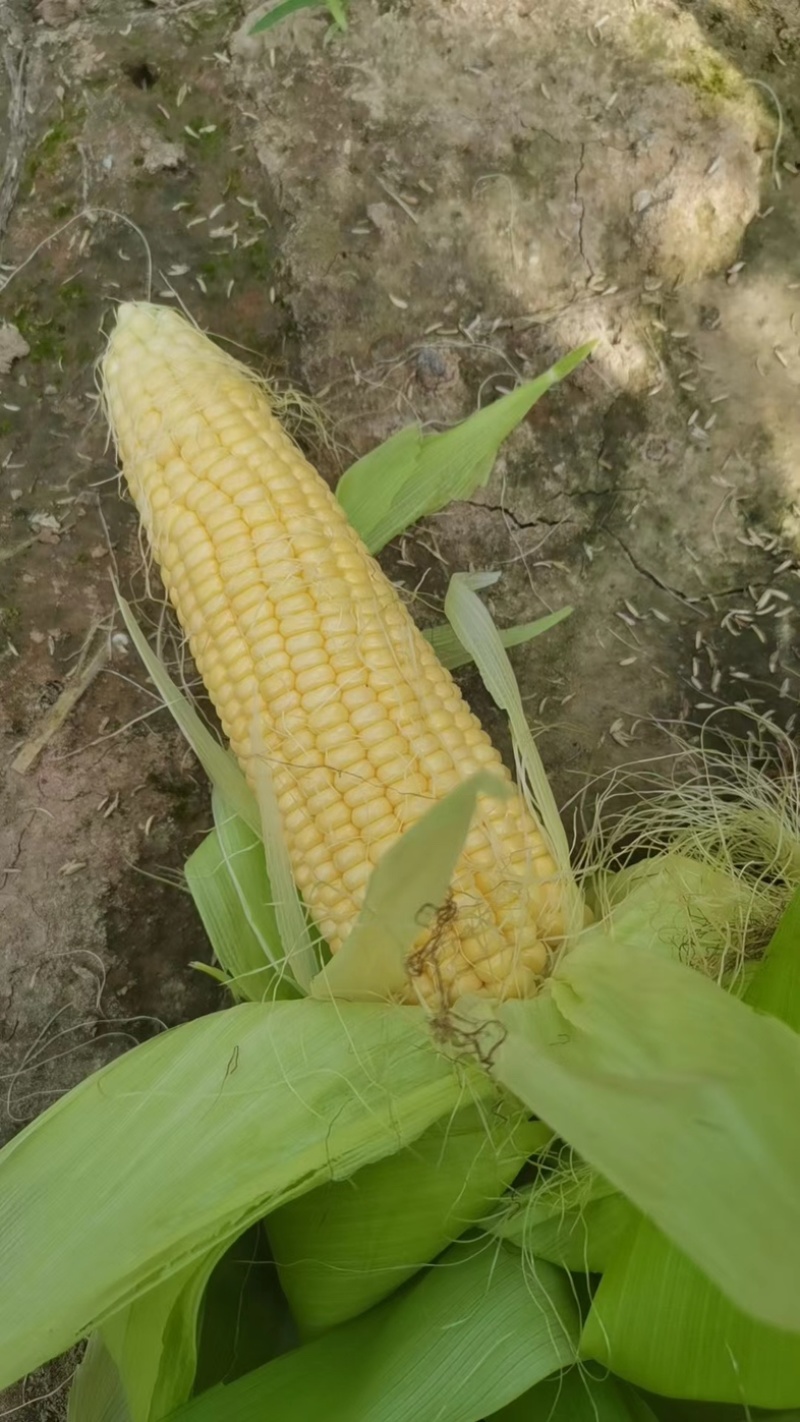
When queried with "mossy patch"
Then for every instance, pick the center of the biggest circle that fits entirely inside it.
(710, 75)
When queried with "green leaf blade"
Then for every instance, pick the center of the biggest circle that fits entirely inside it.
(406, 888)
(577, 1396)
(775, 986)
(458, 1343)
(682, 1097)
(217, 1123)
(661, 1324)
(452, 654)
(412, 474)
(347, 1245)
(227, 878)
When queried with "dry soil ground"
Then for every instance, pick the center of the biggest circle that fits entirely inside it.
(403, 221)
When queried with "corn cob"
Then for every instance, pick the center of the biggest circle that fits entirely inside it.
(296, 631)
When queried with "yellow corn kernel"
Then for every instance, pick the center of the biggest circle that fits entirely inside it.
(292, 622)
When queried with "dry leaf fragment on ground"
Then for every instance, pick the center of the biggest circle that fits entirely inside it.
(13, 346)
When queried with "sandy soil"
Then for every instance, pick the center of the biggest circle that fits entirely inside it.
(402, 221)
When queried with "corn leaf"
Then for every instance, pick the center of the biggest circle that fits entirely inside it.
(475, 629)
(775, 986)
(218, 763)
(217, 1123)
(577, 1396)
(458, 1343)
(405, 890)
(657, 1321)
(452, 654)
(413, 474)
(681, 1096)
(286, 8)
(227, 878)
(346, 1245)
(582, 1237)
(97, 1394)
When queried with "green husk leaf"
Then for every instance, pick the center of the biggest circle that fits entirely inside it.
(405, 890)
(245, 1319)
(228, 880)
(218, 1122)
(452, 654)
(701, 1346)
(413, 474)
(681, 1096)
(153, 1342)
(775, 986)
(293, 926)
(347, 1245)
(218, 763)
(475, 629)
(459, 1342)
(580, 1234)
(97, 1394)
(576, 1396)
(660, 1323)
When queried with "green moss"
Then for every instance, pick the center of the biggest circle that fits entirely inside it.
(6, 428)
(233, 184)
(706, 72)
(53, 139)
(10, 617)
(222, 266)
(46, 345)
(215, 141)
(74, 295)
(48, 151)
(259, 260)
(45, 338)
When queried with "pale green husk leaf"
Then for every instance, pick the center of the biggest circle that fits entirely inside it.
(578, 1223)
(452, 654)
(660, 1322)
(474, 626)
(153, 1342)
(218, 763)
(347, 1245)
(413, 474)
(405, 890)
(179, 1145)
(657, 1321)
(293, 926)
(228, 880)
(97, 1394)
(458, 1343)
(682, 1097)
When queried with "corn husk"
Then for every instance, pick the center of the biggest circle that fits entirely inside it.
(175, 1148)
(704, 1347)
(458, 1343)
(683, 1097)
